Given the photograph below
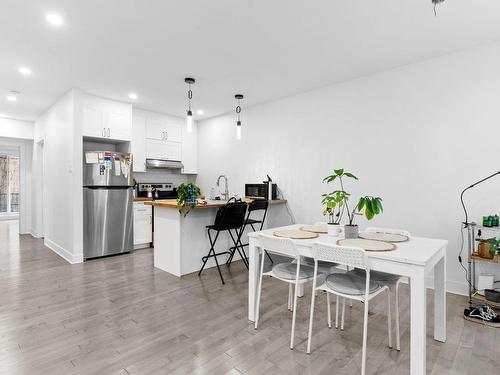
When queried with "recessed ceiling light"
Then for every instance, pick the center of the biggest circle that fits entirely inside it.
(132, 96)
(25, 71)
(200, 112)
(12, 97)
(54, 19)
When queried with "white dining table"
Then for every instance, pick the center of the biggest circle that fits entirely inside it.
(417, 258)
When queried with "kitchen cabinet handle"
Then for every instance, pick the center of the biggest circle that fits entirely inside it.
(162, 136)
(103, 132)
(166, 135)
(109, 133)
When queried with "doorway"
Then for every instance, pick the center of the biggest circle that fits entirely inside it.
(9, 185)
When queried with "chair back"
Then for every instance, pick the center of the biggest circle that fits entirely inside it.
(278, 245)
(402, 232)
(258, 204)
(230, 216)
(349, 256)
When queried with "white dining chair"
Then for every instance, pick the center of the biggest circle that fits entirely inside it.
(347, 285)
(389, 279)
(292, 273)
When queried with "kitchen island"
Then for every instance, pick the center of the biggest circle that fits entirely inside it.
(180, 241)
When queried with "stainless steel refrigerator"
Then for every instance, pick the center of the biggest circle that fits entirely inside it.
(108, 203)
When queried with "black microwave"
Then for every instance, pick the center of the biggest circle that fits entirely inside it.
(261, 191)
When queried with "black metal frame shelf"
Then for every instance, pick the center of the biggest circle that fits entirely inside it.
(472, 228)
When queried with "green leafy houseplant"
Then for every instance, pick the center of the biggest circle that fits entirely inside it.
(186, 197)
(494, 246)
(337, 203)
(371, 205)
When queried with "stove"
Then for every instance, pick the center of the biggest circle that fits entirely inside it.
(156, 190)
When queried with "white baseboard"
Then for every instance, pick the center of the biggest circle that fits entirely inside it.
(453, 287)
(36, 234)
(62, 252)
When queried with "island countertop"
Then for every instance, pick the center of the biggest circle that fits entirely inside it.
(172, 203)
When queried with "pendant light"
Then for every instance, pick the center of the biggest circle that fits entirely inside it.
(238, 97)
(189, 116)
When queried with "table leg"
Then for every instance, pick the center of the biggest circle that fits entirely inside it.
(418, 323)
(440, 300)
(253, 276)
(300, 290)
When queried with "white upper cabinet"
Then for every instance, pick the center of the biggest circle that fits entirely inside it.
(103, 118)
(190, 150)
(164, 128)
(166, 150)
(158, 136)
(138, 144)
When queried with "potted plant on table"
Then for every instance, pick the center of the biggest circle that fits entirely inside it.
(186, 197)
(337, 203)
(371, 205)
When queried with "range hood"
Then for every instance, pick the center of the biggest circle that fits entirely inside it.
(162, 163)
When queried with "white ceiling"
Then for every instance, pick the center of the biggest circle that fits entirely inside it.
(263, 49)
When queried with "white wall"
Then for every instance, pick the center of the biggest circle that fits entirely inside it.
(59, 136)
(11, 128)
(416, 136)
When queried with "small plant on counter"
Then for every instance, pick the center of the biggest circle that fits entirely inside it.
(186, 197)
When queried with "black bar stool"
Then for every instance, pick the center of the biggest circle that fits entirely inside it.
(255, 205)
(230, 217)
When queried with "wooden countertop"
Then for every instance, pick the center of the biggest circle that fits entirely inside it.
(142, 199)
(172, 203)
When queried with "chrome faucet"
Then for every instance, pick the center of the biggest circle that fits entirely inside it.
(226, 190)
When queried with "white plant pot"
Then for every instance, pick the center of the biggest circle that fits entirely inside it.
(334, 229)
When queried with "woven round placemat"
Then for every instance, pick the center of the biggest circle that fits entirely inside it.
(387, 237)
(295, 234)
(368, 245)
(321, 229)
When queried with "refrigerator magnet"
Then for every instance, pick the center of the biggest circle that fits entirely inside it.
(91, 158)
(117, 167)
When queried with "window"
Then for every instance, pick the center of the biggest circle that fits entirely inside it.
(9, 184)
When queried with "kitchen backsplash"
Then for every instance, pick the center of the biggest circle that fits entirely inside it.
(163, 175)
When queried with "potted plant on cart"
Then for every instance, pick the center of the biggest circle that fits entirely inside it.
(494, 249)
(187, 194)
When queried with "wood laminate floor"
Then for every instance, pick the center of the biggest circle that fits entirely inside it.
(121, 316)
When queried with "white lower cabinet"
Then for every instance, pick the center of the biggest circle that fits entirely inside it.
(143, 225)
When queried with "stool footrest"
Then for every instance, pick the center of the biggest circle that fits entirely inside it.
(215, 255)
